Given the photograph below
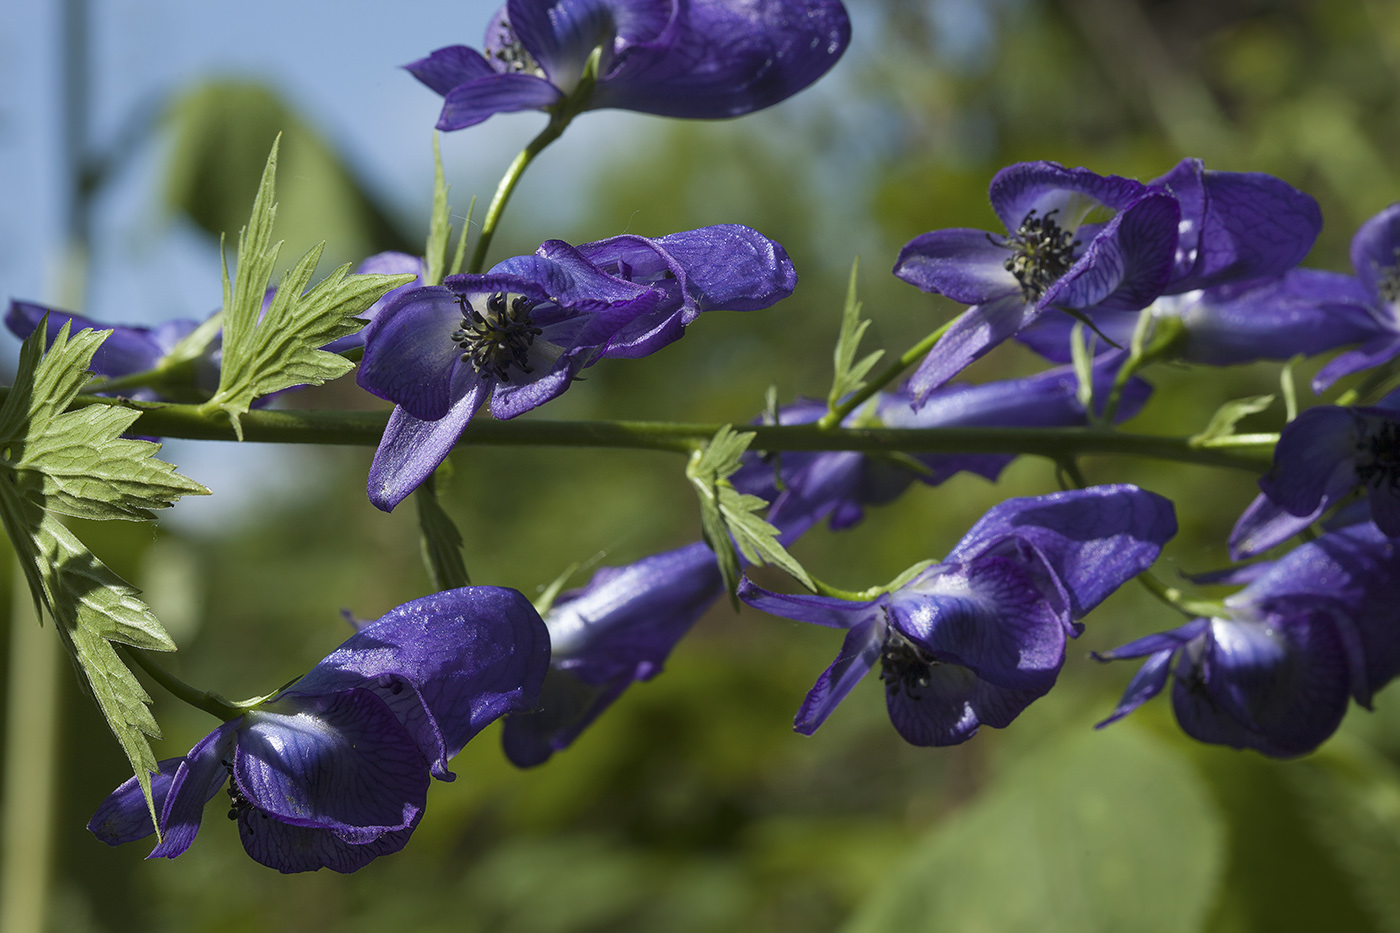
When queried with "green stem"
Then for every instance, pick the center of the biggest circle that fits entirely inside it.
(210, 702)
(557, 122)
(915, 353)
(1171, 596)
(358, 428)
(1364, 389)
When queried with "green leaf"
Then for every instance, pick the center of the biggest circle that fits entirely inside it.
(850, 375)
(263, 354)
(77, 463)
(1222, 423)
(439, 226)
(1099, 832)
(1083, 361)
(729, 518)
(440, 540)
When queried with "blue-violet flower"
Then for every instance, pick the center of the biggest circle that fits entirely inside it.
(518, 335)
(974, 640)
(702, 59)
(1273, 670)
(333, 772)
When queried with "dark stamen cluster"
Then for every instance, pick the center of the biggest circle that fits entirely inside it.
(903, 667)
(1041, 252)
(1388, 282)
(512, 56)
(1378, 455)
(500, 337)
(237, 802)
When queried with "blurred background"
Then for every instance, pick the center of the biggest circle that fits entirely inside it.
(131, 134)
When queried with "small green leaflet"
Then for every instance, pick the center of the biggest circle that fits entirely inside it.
(725, 512)
(1222, 423)
(263, 354)
(850, 375)
(440, 540)
(435, 264)
(77, 463)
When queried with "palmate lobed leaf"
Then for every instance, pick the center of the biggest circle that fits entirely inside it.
(266, 353)
(729, 518)
(849, 374)
(78, 463)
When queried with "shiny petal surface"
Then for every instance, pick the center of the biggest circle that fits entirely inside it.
(975, 332)
(411, 449)
(723, 59)
(986, 615)
(954, 705)
(473, 653)
(1090, 541)
(1237, 225)
(1313, 460)
(409, 356)
(339, 761)
(448, 67)
(860, 651)
(1073, 193)
(1374, 255)
(1126, 264)
(195, 783)
(123, 815)
(474, 101)
(966, 265)
(290, 848)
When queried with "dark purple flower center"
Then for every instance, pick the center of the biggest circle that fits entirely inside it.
(1041, 252)
(1388, 282)
(903, 666)
(1378, 455)
(499, 336)
(512, 57)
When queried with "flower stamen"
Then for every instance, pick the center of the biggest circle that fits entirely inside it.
(500, 337)
(1041, 252)
(512, 57)
(904, 667)
(1378, 456)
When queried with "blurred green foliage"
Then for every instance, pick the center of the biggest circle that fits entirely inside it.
(691, 805)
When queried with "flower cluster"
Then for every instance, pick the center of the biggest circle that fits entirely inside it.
(975, 639)
(704, 59)
(517, 336)
(1097, 246)
(333, 771)
(1274, 668)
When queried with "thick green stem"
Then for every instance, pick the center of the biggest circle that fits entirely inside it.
(911, 356)
(1251, 452)
(211, 703)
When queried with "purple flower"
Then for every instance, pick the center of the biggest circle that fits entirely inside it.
(1322, 456)
(1302, 311)
(617, 630)
(839, 484)
(1191, 229)
(1274, 669)
(1058, 252)
(975, 639)
(127, 349)
(518, 335)
(333, 771)
(1236, 226)
(1375, 256)
(699, 59)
